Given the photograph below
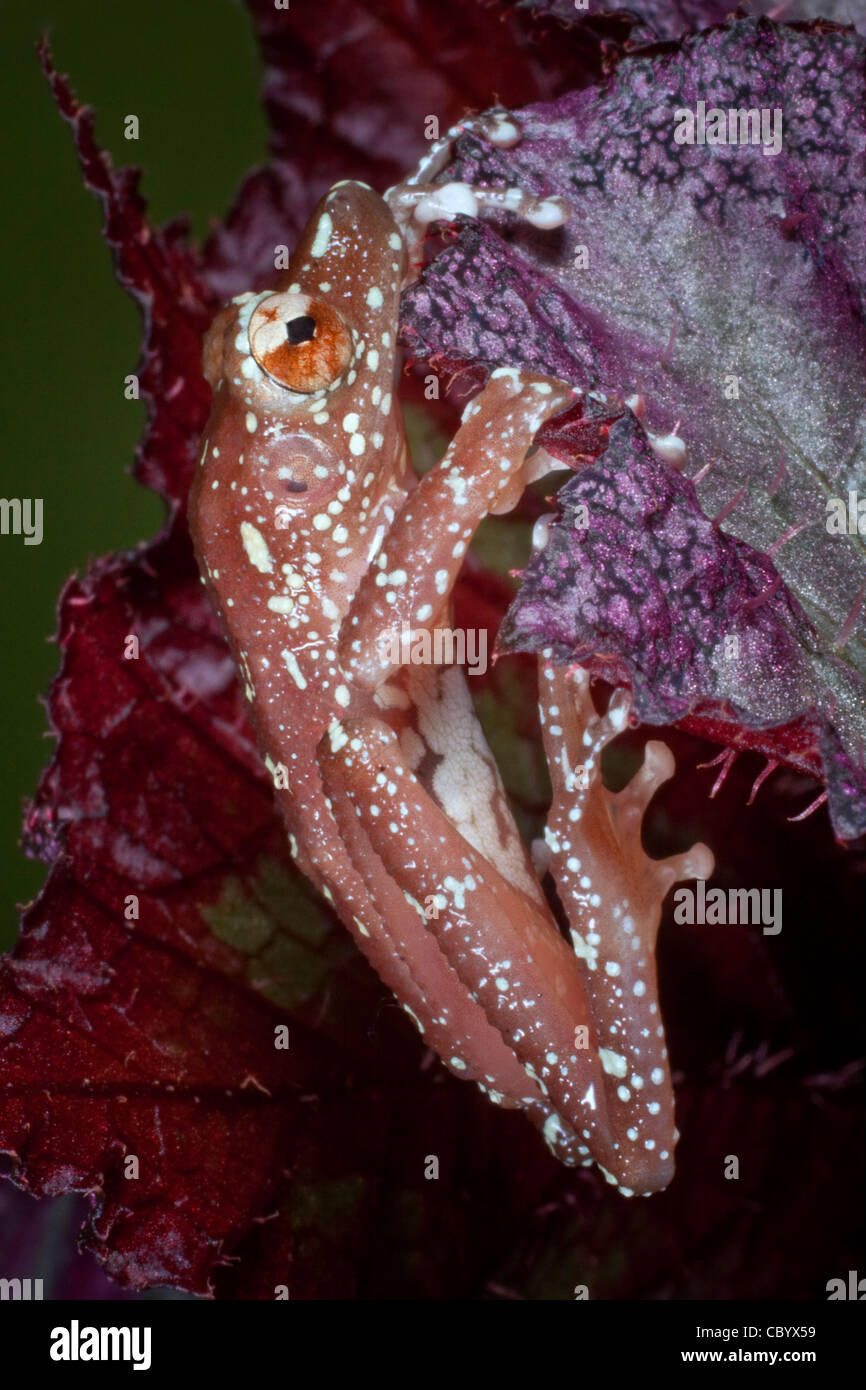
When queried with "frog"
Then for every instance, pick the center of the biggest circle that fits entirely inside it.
(316, 542)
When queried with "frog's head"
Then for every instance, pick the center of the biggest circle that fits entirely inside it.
(303, 375)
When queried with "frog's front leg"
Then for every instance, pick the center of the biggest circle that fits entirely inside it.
(483, 472)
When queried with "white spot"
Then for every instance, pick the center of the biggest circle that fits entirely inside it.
(341, 695)
(251, 422)
(377, 541)
(584, 950)
(256, 548)
(456, 481)
(337, 735)
(294, 671)
(374, 297)
(322, 237)
(458, 891)
(553, 1131)
(613, 1064)
(351, 422)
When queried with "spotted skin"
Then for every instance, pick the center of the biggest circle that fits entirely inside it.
(313, 538)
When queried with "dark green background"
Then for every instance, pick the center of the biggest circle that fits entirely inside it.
(190, 73)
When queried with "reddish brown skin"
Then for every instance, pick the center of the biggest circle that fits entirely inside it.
(390, 797)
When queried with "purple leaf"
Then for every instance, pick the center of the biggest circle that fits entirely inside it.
(724, 286)
(637, 584)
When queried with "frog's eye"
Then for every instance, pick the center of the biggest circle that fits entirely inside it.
(301, 343)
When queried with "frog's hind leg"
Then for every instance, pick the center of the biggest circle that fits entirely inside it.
(612, 893)
(502, 952)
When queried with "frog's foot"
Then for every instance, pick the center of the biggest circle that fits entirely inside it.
(418, 200)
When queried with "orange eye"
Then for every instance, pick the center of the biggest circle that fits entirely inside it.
(300, 342)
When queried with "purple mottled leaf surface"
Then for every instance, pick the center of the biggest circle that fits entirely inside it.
(637, 584)
(724, 286)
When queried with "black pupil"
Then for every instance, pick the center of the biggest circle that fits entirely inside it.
(301, 329)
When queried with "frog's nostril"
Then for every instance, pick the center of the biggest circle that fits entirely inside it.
(301, 329)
